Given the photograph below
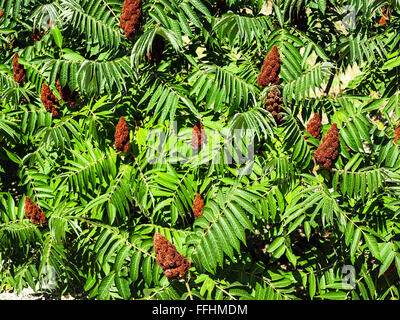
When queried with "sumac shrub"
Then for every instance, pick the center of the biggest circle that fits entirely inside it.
(205, 150)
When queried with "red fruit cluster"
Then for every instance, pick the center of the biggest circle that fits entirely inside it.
(156, 53)
(122, 136)
(36, 35)
(274, 103)
(33, 212)
(174, 264)
(198, 206)
(328, 150)
(396, 134)
(198, 135)
(314, 127)
(49, 100)
(65, 93)
(270, 70)
(131, 17)
(18, 70)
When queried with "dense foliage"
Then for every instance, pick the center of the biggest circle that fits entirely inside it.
(126, 130)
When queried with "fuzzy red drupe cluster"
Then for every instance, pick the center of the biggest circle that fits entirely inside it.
(198, 206)
(269, 74)
(174, 264)
(328, 150)
(314, 127)
(157, 49)
(274, 103)
(65, 93)
(131, 17)
(18, 70)
(122, 136)
(198, 135)
(33, 212)
(48, 99)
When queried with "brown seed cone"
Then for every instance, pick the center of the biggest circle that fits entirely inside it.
(174, 264)
(198, 135)
(269, 74)
(156, 54)
(33, 212)
(396, 134)
(314, 127)
(122, 136)
(198, 206)
(66, 94)
(328, 150)
(49, 100)
(36, 35)
(18, 70)
(131, 17)
(274, 103)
